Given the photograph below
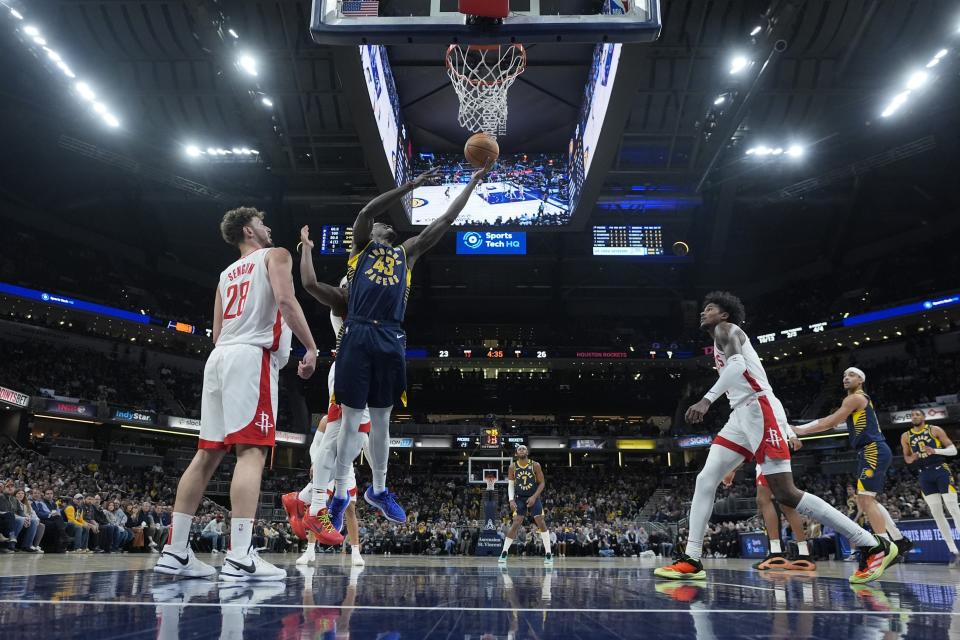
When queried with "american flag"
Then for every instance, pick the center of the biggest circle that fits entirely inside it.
(357, 8)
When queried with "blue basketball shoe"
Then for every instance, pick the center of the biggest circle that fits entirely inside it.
(336, 509)
(387, 503)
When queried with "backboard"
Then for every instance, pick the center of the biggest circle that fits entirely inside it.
(345, 22)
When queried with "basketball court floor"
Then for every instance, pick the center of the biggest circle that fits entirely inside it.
(106, 597)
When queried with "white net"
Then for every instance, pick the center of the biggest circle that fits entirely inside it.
(481, 76)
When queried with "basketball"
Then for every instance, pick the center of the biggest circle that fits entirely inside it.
(481, 147)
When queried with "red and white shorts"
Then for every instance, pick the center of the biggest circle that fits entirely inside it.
(239, 400)
(761, 479)
(756, 430)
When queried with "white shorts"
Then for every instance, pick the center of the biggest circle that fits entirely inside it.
(756, 430)
(351, 487)
(239, 400)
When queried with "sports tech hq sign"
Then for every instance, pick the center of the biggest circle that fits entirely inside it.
(492, 243)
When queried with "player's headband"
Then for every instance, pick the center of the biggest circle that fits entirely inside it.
(858, 372)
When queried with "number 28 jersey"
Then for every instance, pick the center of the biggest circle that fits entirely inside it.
(250, 312)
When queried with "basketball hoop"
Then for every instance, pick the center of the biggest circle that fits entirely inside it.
(491, 483)
(481, 76)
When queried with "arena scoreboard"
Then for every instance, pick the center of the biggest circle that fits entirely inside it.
(335, 239)
(627, 240)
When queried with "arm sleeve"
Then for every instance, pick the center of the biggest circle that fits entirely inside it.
(736, 366)
(948, 451)
(510, 489)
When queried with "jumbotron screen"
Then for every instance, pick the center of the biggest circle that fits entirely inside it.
(521, 190)
(627, 240)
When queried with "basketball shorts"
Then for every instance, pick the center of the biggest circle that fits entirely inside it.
(937, 479)
(371, 366)
(523, 510)
(761, 479)
(873, 461)
(756, 430)
(239, 400)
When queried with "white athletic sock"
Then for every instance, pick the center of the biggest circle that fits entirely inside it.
(802, 548)
(545, 536)
(241, 533)
(379, 446)
(324, 463)
(816, 508)
(306, 494)
(935, 504)
(890, 524)
(775, 546)
(349, 445)
(180, 535)
(506, 544)
(720, 462)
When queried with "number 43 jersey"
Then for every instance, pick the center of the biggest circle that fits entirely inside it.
(379, 285)
(250, 312)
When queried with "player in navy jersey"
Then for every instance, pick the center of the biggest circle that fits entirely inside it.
(371, 363)
(926, 447)
(873, 453)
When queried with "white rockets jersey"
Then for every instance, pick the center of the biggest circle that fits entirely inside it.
(250, 312)
(337, 323)
(754, 379)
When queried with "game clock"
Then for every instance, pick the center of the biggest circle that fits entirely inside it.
(493, 353)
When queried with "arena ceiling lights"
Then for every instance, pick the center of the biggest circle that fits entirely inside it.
(33, 38)
(790, 151)
(913, 83)
(235, 155)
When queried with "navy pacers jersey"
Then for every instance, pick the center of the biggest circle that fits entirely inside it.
(379, 284)
(525, 479)
(923, 436)
(863, 426)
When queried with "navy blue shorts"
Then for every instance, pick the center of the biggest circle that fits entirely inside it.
(523, 510)
(371, 366)
(937, 479)
(872, 463)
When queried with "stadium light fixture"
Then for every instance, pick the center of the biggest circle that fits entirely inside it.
(248, 64)
(40, 41)
(67, 71)
(16, 14)
(941, 54)
(31, 30)
(757, 29)
(233, 33)
(795, 151)
(267, 102)
(720, 100)
(53, 55)
(738, 64)
(193, 151)
(895, 103)
(100, 108)
(111, 120)
(85, 91)
(917, 79)
(934, 62)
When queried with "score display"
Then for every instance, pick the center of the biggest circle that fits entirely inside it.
(335, 239)
(627, 240)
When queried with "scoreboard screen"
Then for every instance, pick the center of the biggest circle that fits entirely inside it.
(627, 240)
(335, 239)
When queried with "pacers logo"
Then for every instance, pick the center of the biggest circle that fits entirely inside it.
(264, 423)
(472, 240)
(418, 202)
(385, 265)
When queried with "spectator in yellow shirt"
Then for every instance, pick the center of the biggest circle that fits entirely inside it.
(77, 528)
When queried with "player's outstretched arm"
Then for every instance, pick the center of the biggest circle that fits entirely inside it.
(947, 448)
(363, 225)
(429, 237)
(849, 405)
(333, 297)
(280, 270)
